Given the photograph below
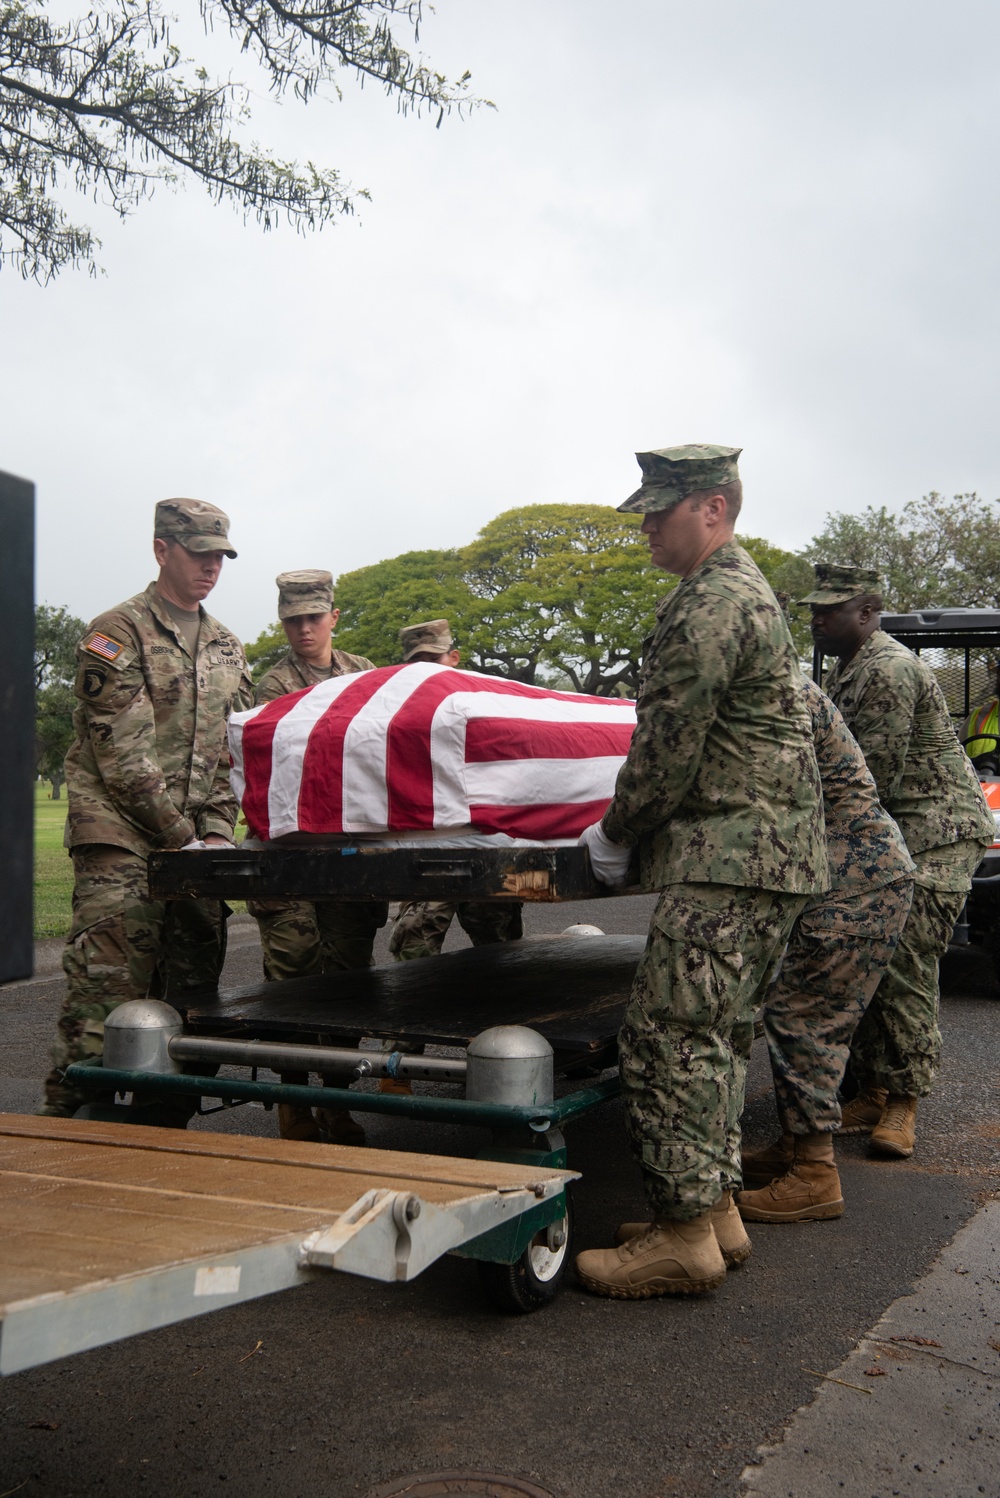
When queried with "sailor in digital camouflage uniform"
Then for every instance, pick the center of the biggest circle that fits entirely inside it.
(422, 925)
(148, 769)
(301, 938)
(838, 951)
(894, 706)
(720, 790)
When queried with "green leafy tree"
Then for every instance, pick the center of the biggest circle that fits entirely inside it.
(564, 595)
(57, 633)
(106, 104)
(557, 594)
(934, 552)
(377, 602)
(267, 650)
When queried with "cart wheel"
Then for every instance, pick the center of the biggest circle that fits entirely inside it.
(537, 1277)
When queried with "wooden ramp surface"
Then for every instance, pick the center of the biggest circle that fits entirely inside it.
(87, 1205)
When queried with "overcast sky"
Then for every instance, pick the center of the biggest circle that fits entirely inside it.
(758, 222)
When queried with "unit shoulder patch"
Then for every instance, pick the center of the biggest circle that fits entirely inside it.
(104, 646)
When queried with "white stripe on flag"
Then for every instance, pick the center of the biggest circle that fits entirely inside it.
(448, 743)
(365, 799)
(558, 709)
(288, 750)
(535, 782)
(234, 732)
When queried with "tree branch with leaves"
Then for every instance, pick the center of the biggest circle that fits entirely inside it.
(107, 105)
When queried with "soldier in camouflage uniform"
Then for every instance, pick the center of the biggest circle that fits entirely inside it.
(896, 710)
(301, 938)
(721, 792)
(841, 946)
(422, 925)
(148, 768)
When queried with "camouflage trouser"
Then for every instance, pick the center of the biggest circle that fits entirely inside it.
(123, 945)
(834, 961)
(422, 925)
(898, 1044)
(301, 938)
(686, 1038)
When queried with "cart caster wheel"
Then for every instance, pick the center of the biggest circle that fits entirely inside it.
(537, 1277)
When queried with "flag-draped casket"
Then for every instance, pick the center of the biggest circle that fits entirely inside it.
(426, 747)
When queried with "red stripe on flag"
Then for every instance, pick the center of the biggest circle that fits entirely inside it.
(258, 736)
(554, 819)
(321, 794)
(409, 772)
(488, 739)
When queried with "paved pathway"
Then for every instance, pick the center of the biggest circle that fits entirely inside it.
(355, 1383)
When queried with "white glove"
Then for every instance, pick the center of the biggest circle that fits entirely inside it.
(193, 845)
(608, 860)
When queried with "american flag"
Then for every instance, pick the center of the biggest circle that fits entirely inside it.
(424, 747)
(101, 645)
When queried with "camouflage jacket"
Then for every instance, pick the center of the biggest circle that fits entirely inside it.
(865, 847)
(896, 710)
(720, 785)
(149, 767)
(292, 674)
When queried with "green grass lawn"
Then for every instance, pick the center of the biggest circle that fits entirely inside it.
(54, 868)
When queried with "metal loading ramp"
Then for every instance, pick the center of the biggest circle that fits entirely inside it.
(114, 1229)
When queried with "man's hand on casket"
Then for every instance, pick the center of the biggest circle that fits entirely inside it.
(608, 860)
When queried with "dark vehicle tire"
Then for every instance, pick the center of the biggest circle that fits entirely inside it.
(537, 1277)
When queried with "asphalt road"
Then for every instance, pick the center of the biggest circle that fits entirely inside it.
(354, 1383)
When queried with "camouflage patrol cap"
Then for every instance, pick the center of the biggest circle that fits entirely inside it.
(670, 474)
(433, 637)
(307, 592)
(196, 525)
(836, 582)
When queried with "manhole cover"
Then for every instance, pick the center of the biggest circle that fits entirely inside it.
(460, 1485)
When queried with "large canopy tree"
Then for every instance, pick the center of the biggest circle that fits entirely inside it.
(107, 103)
(935, 551)
(558, 594)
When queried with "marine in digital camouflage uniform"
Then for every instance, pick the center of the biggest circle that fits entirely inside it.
(894, 706)
(301, 938)
(838, 951)
(421, 926)
(721, 792)
(148, 768)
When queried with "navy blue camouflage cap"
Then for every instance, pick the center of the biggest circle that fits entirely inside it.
(837, 582)
(670, 474)
(197, 525)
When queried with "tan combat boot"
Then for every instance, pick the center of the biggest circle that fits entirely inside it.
(863, 1112)
(296, 1122)
(671, 1258)
(763, 1166)
(730, 1234)
(808, 1192)
(896, 1131)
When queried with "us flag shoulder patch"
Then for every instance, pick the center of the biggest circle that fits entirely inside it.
(108, 650)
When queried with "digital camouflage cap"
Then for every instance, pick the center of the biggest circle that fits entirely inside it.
(836, 582)
(309, 591)
(433, 637)
(196, 525)
(670, 474)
